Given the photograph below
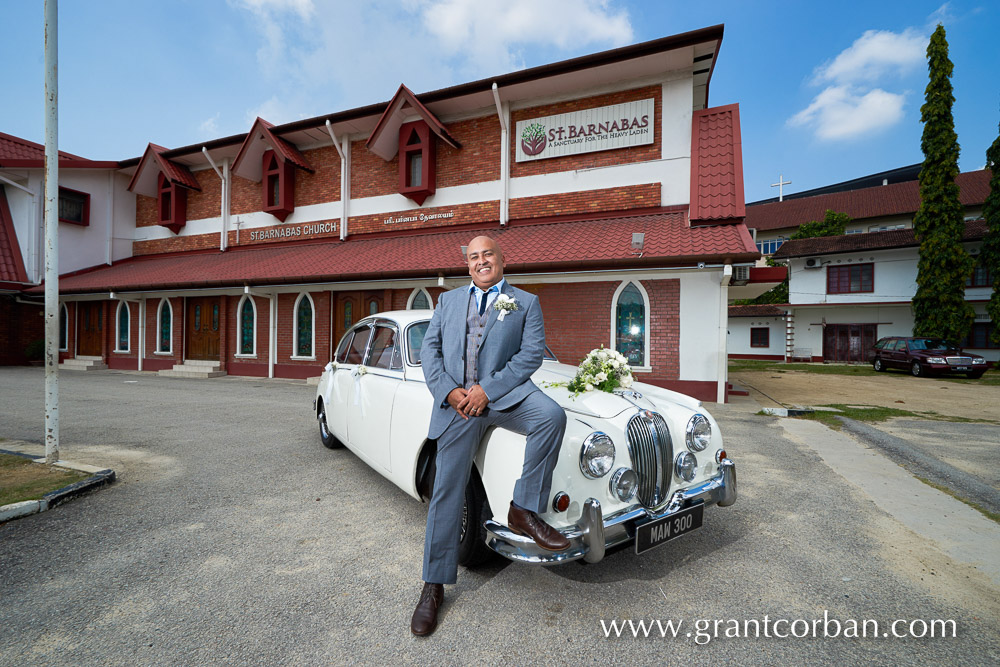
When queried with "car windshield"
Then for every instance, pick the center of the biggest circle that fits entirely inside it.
(929, 344)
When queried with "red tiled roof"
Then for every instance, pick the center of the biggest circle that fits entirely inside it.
(261, 129)
(897, 238)
(717, 165)
(16, 152)
(557, 246)
(756, 310)
(11, 264)
(884, 200)
(176, 173)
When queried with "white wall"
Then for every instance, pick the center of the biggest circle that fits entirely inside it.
(892, 320)
(739, 336)
(702, 302)
(112, 216)
(895, 277)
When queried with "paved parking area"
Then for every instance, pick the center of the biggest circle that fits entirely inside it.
(234, 537)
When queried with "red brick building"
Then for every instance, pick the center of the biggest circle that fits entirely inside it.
(613, 187)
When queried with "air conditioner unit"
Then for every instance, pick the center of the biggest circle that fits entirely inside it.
(741, 274)
(813, 263)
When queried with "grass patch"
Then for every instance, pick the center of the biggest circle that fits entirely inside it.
(875, 413)
(21, 479)
(992, 516)
(991, 378)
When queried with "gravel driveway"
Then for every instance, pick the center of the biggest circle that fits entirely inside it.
(233, 537)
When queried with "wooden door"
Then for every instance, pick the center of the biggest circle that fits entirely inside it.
(348, 312)
(848, 342)
(90, 325)
(202, 324)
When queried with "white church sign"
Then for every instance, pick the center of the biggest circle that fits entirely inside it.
(600, 129)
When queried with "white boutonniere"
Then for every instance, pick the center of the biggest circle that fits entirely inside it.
(505, 304)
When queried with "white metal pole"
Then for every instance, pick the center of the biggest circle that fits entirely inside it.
(51, 232)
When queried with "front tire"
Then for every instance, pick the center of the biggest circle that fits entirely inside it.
(917, 370)
(877, 365)
(472, 549)
(325, 436)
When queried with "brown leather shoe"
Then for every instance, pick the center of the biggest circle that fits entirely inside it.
(526, 522)
(425, 616)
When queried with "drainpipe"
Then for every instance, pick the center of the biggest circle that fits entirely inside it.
(142, 330)
(345, 178)
(504, 156)
(272, 339)
(723, 360)
(223, 175)
(111, 216)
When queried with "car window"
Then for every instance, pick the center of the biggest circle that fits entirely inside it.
(414, 341)
(345, 345)
(356, 352)
(896, 345)
(882, 343)
(549, 355)
(383, 348)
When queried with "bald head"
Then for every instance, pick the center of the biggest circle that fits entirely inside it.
(486, 262)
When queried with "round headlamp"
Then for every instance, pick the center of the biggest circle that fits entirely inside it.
(698, 433)
(686, 465)
(624, 484)
(597, 455)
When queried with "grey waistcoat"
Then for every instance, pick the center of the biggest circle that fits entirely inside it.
(474, 325)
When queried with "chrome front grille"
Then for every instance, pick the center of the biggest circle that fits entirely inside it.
(652, 454)
(958, 361)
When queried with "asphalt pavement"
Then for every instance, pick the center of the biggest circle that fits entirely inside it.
(233, 537)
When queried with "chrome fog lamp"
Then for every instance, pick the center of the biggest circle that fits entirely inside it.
(597, 455)
(686, 465)
(698, 433)
(624, 484)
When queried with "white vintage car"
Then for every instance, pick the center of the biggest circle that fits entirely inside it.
(636, 466)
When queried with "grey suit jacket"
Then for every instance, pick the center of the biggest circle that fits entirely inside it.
(509, 352)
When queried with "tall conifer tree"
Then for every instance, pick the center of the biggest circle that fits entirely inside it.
(939, 306)
(989, 255)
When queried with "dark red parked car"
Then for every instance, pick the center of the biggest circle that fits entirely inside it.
(924, 356)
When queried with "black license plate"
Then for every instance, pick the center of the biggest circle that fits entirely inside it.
(959, 368)
(655, 533)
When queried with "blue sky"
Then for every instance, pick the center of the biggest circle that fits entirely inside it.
(827, 92)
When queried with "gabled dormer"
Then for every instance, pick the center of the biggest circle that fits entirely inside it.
(167, 181)
(411, 130)
(271, 161)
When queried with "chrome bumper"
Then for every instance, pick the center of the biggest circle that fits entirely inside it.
(594, 534)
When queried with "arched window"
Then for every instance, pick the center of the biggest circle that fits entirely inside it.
(420, 299)
(630, 323)
(63, 328)
(247, 325)
(122, 328)
(164, 327)
(373, 306)
(304, 330)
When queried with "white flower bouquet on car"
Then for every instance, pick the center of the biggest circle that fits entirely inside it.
(604, 370)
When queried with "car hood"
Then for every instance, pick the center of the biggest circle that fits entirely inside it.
(602, 404)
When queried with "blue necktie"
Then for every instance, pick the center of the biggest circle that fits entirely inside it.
(482, 304)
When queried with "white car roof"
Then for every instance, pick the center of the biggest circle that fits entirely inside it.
(401, 317)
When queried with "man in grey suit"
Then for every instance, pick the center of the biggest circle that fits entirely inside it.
(478, 360)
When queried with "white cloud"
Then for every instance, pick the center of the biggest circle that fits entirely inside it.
(488, 32)
(842, 113)
(876, 55)
(855, 101)
(317, 56)
(210, 126)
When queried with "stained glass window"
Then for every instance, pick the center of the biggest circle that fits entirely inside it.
(630, 328)
(372, 307)
(164, 339)
(63, 328)
(215, 317)
(348, 314)
(304, 327)
(420, 301)
(123, 326)
(246, 327)
(197, 318)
